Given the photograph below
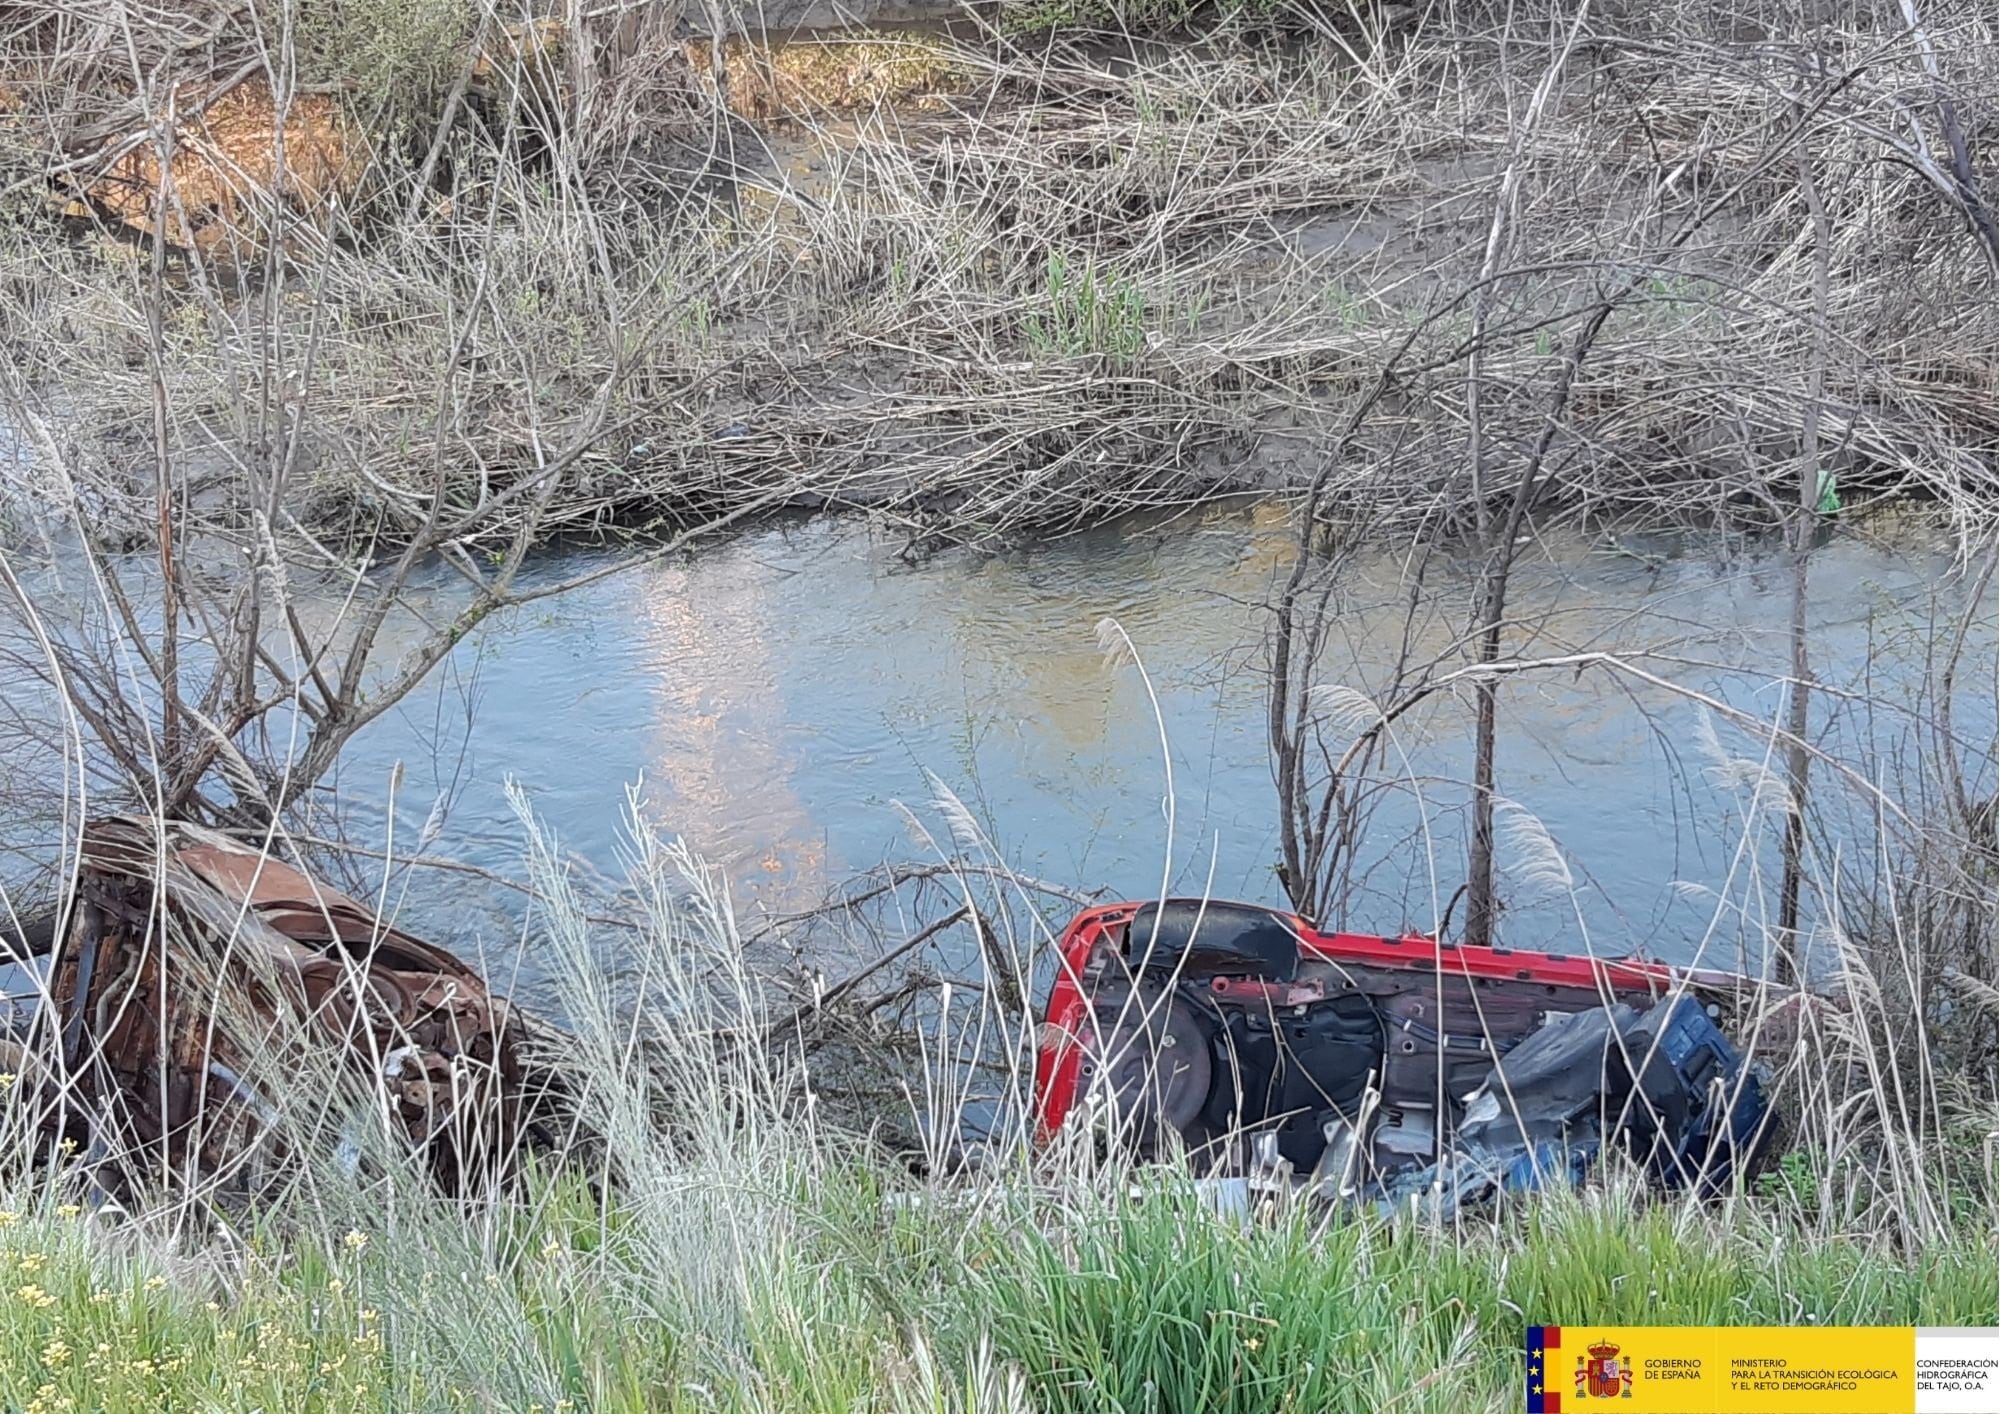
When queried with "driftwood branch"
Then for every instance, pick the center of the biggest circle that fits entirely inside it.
(847, 984)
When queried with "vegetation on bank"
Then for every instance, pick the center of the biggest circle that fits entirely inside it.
(550, 256)
(1500, 270)
(826, 1295)
(1147, 17)
(724, 1242)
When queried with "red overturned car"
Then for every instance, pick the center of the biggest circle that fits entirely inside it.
(1242, 1038)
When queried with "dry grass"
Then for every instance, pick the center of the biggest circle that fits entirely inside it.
(823, 76)
(1075, 287)
(571, 295)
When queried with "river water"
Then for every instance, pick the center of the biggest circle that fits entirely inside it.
(783, 700)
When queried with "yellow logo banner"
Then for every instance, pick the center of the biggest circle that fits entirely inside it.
(1763, 1370)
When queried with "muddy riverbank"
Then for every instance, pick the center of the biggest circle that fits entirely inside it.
(990, 291)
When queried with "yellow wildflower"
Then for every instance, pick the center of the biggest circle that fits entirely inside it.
(70, 1210)
(35, 1297)
(355, 1240)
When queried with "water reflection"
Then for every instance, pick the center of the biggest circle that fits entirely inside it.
(780, 693)
(719, 741)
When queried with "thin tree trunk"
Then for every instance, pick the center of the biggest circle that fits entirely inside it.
(169, 762)
(1499, 555)
(1797, 761)
(1480, 905)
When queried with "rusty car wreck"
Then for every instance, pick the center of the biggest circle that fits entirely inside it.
(214, 1016)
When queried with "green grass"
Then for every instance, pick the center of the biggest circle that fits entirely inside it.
(752, 1257)
(394, 55)
(1160, 1307)
(1087, 311)
(831, 1300)
(86, 1323)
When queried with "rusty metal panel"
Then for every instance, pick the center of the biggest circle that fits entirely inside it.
(195, 962)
